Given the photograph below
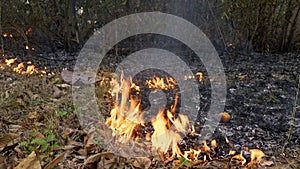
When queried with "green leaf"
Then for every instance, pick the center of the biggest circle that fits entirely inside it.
(39, 141)
(50, 137)
(23, 144)
(44, 147)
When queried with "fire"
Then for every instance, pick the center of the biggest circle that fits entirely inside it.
(168, 125)
(22, 68)
(159, 83)
(256, 156)
(126, 116)
(199, 76)
(9, 62)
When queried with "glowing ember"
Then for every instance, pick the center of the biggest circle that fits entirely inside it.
(9, 62)
(200, 76)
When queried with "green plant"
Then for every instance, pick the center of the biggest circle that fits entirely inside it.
(46, 143)
(183, 162)
(61, 114)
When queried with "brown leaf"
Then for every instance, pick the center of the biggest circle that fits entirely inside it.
(8, 139)
(93, 158)
(55, 161)
(69, 78)
(35, 115)
(266, 163)
(30, 162)
(57, 92)
(107, 161)
(142, 162)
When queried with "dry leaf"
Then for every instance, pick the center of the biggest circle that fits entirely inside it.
(8, 139)
(64, 85)
(69, 78)
(30, 162)
(266, 163)
(107, 161)
(57, 92)
(55, 161)
(35, 115)
(142, 162)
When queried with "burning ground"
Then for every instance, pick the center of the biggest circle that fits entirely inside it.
(39, 125)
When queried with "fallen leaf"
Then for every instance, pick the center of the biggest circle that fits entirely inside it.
(142, 162)
(35, 115)
(55, 161)
(8, 139)
(266, 163)
(93, 158)
(71, 78)
(30, 162)
(57, 92)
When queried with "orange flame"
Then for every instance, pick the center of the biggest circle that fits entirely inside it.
(125, 117)
(159, 83)
(21, 68)
(256, 156)
(168, 125)
(9, 62)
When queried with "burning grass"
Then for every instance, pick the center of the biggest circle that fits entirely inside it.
(169, 127)
(170, 133)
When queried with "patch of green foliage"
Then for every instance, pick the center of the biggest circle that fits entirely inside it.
(46, 143)
(183, 162)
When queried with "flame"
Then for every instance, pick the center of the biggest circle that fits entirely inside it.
(22, 68)
(159, 83)
(239, 158)
(256, 156)
(168, 125)
(9, 62)
(28, 31)
(125, 117)
(214, 143)
(200, 76)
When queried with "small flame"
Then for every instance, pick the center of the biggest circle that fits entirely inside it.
(9, 62)
(28, 31)
(200, 76)
(22, 68)
(239, 158)
(214, 143)
(256, 156)
(159, 83)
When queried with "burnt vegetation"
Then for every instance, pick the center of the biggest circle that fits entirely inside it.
(258, 43)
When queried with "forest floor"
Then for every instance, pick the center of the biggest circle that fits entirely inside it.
(39, 126)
